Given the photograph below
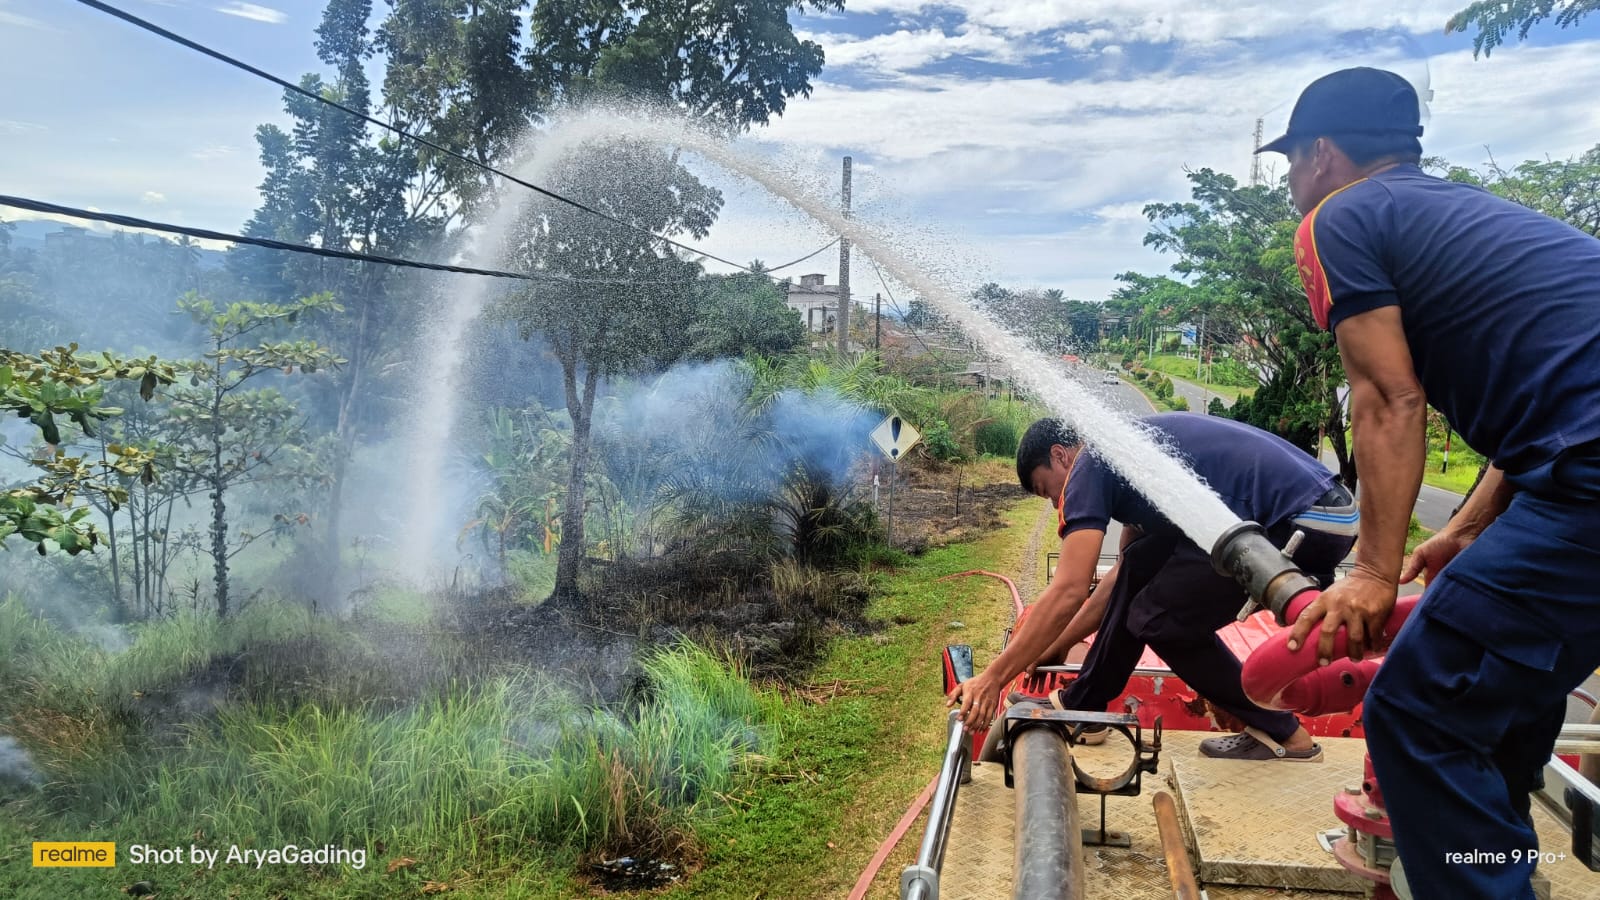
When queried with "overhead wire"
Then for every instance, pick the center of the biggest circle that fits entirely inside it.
(218, 55)
(895, 305)
(57, 209)
(130, 221)
(796, 262)
(126, 221)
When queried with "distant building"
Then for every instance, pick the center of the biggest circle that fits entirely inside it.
(816, 302)
(982, 375)
(68, 236)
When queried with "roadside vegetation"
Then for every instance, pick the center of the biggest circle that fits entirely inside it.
(446, 773)
(1225, 378)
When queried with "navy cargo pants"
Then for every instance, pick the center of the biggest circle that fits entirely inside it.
(1464, 712)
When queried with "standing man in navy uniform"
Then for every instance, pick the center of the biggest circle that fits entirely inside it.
(1441, 293)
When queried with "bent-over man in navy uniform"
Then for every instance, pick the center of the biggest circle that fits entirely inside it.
(1163, 592)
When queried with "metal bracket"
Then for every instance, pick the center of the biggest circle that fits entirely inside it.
(1070, 724)
(914, 876)
(1105, 837)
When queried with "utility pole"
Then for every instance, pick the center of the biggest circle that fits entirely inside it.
(877, 324)
(844, 268)
(1255, 160)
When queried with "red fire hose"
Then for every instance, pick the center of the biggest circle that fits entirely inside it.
(1016, 598)
(1276, 677)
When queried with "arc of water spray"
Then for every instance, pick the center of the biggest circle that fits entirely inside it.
(1125, 445)
(1128, 447)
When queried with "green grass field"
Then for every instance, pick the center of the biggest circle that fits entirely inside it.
(495, 787)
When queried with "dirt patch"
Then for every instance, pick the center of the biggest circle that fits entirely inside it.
(583, 651)
(938, 505)
(775, 618)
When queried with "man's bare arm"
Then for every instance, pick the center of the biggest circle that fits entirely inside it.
(1387, 409)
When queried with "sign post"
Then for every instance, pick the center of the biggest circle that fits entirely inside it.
(894, 436)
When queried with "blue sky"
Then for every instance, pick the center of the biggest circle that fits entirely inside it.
(1008, 140)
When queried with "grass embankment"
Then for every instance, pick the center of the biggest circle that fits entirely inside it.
(1463, 470)
(1188, 369)
(1464, 464)
(479, 785)
(850, 761)
(493, 786)
(1157, 403)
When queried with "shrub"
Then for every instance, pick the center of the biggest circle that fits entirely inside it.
(941, 442)
(1216, 407)
(997, 438)
(1181, 404)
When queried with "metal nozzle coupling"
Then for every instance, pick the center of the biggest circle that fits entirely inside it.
(1244, 554)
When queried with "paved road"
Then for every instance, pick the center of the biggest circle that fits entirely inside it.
(1197, 396)
(1433, 507)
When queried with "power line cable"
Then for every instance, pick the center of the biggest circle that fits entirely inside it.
(41, 206)
(796, 262)
(882, 282)
(207, 234)
(218, 55)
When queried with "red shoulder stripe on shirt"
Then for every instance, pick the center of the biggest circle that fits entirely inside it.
(1306, 258)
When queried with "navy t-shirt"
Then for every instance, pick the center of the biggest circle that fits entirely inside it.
(1500, 305)
(1258, 475)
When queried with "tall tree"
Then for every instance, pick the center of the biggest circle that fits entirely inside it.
(226, 430)
(731, 63)
(454, 75)
(1235, 248)
(1567, 189)
(743, 314)
(617, 301)
(333, 183)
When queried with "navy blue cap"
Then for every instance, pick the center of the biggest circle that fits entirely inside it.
(1352, 101)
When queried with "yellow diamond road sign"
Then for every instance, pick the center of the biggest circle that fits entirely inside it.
(894, 436)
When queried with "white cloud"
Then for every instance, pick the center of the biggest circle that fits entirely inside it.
(254, 13)
(1083, 40)
(950, 148)
(1125, 212)
(905, 50)
(212, 151)
(17, 20)
(12, 126)
(153, 198)
(1197, 21)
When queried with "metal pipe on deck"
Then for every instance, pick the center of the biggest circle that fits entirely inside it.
(920, 880)
(1179, 872)
(1049, 861)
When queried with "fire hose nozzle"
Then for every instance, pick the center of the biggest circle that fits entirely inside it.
(1244, 554)
(1275, 677)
